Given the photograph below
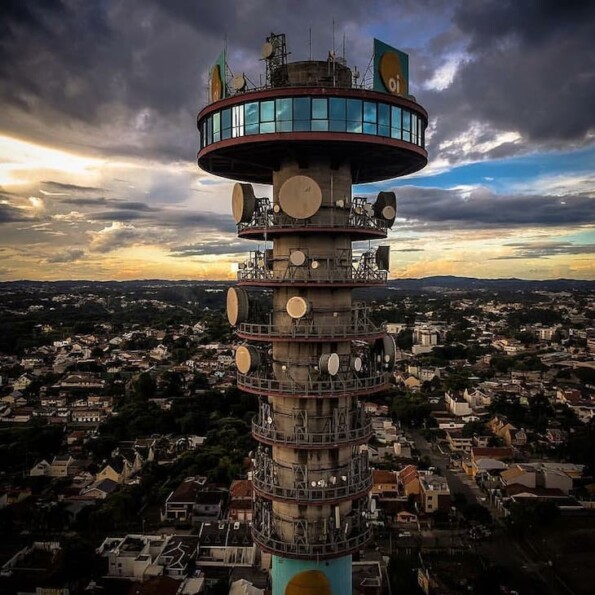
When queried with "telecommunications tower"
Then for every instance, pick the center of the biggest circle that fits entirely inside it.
(311, 131)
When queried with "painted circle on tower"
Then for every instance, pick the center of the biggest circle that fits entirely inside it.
(300, 197)
(313, 582)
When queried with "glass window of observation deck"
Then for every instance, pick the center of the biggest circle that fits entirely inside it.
(283, 114)
(319, 114)
(337, 113)
(226, 124)
(370, 116)
(267, 116)
(395, 122)
(251, 118)
(354, 115)
(406, 126)
(301, 113)
(383, 119)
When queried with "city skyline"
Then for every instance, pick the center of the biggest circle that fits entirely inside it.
(98, 138)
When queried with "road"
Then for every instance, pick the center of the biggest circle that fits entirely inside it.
(522, 552)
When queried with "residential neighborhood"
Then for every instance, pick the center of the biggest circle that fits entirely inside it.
(126, 455)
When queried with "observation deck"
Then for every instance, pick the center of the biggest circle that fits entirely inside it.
(246, 136)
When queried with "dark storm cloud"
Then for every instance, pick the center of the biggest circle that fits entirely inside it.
(86, 202)
(546, 249)
(118, 215)
(531, 69)
(433, 208)
(407, 249)
(10, 214)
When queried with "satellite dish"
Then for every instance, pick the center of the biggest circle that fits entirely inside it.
(356, 364)
(269, 420)
(243, 202)
(238, 82)
(297, 307)
(237, 305)
(329, 363)
(267, 50)
(340, 203)
(247, 358)
(383, 258)
(373, 505)
(313, 484)
(300, 197)
(384, 200)
(276, 209)
(315, 264)
(390, 350)
(297, 258)
(368, 209)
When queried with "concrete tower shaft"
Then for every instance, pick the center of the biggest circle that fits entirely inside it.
(311, 134)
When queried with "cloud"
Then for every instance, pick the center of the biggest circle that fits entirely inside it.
(70, 255)
(427, 209)
(214, 247)
(10, 214)
(117, 235)
(545, 250)
(65, 188)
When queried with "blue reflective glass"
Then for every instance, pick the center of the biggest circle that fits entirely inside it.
(319, 125)
(406, 126)
(319, 109)
(370, 112)
(251, 113)
(370, 128)
(354, 115)
(226, 123)
(266, 127)
(285, 126)
(337, 107)
(383, 114)
(406, 121)
(301, 108)
(283, 109)
(395, 122)
(301, 113)
(267, 111)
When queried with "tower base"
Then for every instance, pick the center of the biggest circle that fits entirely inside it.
(311, 577)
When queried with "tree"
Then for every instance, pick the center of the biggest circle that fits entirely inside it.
(145, 387)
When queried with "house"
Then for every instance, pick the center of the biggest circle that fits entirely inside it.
(61, 466)
(556, 437)
(191, 502)
(22, 382)
(227, 544)
(409, 480)
(117, 469)
(435, 493)
(457, 442)
(457, 405)
(100, 490)
(385, 483)
(240, 500)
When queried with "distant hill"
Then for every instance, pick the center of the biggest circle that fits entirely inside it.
(471, 283)
(436, 283)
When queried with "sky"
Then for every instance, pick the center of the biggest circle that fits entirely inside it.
(98, 139)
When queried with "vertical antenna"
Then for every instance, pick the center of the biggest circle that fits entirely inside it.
(343, 46)
(310, 42)
(333, 35)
